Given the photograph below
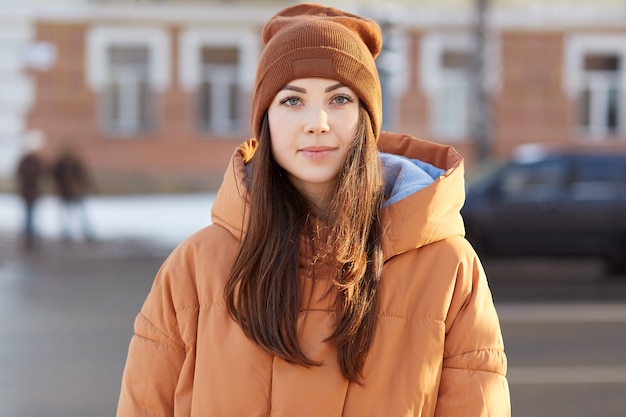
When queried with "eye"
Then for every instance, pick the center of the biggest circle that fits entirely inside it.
(290, 101)
(342, 99)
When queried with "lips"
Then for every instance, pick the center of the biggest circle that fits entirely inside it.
(316, 153)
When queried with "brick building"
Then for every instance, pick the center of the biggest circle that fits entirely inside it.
(155, 94)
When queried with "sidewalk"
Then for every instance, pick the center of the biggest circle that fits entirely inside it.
(66, 317)
(12, 250)
(161, 220)
(67, 308)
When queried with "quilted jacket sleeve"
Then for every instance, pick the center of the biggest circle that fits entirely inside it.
(473, 381)
(157, 351)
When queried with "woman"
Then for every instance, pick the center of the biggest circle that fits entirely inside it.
(335, 279)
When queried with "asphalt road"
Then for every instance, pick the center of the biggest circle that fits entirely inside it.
(66, 314)
(564, 326)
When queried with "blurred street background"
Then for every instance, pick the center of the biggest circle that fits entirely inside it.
(118, 117)
(68, 309)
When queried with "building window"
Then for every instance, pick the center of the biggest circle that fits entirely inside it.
(128, 68)
(127, 100)
(218, 95)
(217, 69)
(445, 63)
(601, 97)
(450, 115)
(393, 69)
(595, 79)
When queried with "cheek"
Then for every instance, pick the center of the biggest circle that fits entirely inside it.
(278, 138)
(349, 127)
(279, 121)
(276, 130)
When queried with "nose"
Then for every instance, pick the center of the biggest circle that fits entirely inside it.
(317, 121)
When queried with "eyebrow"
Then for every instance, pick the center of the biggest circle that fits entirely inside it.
(334, 87)
(302, 90)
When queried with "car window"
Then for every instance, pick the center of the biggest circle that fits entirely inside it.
(537, 181)
(597, 177)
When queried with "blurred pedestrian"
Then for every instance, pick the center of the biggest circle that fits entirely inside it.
(335, 279)
(72, 181)
(29, 178)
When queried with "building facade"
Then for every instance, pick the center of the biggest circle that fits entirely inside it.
(156, 94)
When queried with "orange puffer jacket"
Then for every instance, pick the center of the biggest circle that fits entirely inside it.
(438, 349)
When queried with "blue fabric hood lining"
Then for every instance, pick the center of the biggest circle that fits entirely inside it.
(404, 176)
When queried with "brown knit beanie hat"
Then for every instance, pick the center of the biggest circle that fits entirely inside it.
(309, 40)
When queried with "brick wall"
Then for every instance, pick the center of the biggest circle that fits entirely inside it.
(174, 157)
(531, 106)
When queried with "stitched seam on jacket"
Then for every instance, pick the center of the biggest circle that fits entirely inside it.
(198, 307)
(497, 350)
(491, 349)
(474, 370)
(161, 332)
(159, 345)
(395, 316)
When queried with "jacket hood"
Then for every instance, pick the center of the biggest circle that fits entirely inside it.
(425, 187)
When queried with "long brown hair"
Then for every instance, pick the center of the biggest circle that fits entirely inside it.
(262, 293)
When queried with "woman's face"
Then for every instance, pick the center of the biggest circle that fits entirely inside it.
(313, 122)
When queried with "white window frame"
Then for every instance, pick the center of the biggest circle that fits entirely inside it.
(576, 79)
(600, 84)
(192, 73)
(99, 40)
(393, 59)
(393, 68)
(129, 115)
(222, 78)
(434, 79)
(450, 107)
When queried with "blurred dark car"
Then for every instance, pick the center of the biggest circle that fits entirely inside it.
(549, 202)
